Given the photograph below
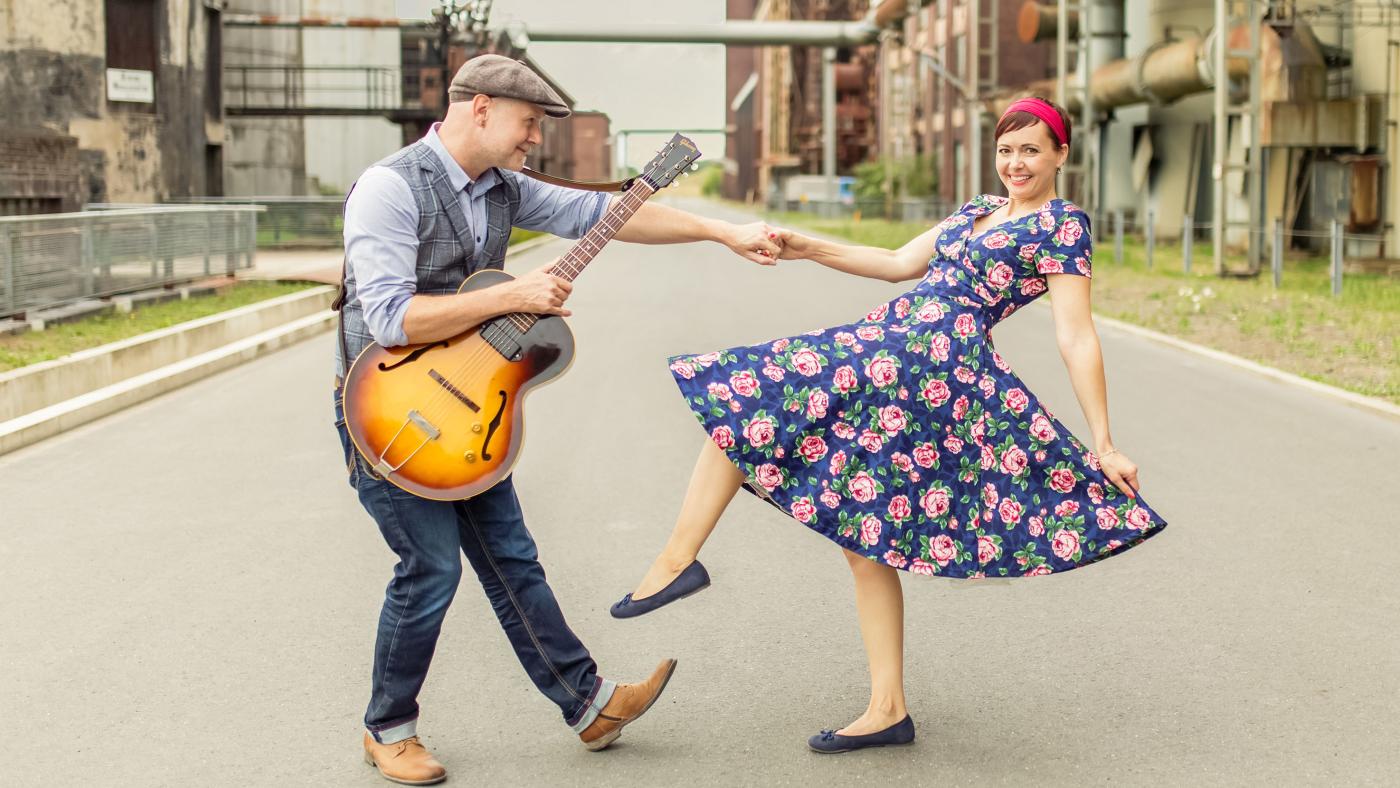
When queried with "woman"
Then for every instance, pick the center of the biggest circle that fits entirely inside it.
(904, 437)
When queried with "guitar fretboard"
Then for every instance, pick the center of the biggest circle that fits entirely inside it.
(588, 247)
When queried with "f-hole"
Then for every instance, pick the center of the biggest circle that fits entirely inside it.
(491, 429)
(411, 357)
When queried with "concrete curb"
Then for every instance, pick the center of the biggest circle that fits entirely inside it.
(37, 386)
(50, 421)
(1377, 406)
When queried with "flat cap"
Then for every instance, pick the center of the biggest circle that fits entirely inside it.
(497, 75)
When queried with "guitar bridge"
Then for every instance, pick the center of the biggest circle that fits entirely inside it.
(453, 390)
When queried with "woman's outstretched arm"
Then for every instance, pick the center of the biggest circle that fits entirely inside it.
(1079, 347)
(909, 261)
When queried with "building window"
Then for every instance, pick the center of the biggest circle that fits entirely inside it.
(133, 50)
(25, 206)
(213, 64)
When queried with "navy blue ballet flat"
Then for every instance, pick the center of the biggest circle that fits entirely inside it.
(692, 580)
(901, 732)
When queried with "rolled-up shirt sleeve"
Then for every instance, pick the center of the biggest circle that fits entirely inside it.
(381, 247)
(567, 213)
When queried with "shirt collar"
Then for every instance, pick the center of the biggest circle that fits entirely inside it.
(455, 174)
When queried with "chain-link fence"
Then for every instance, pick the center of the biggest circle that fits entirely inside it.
(56, 258)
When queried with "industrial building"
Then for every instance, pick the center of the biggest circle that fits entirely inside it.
(106, 101)
(1297, 130)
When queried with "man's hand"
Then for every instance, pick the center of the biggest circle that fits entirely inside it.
(757, 242)
(541, 293)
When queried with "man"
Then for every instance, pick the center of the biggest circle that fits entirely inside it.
(416, 225)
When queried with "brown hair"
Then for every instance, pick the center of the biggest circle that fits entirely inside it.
(1015, 121)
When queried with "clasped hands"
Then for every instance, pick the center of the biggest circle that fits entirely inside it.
(761, 242)
(541, 292)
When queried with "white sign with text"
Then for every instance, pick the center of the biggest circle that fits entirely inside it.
(124, 84)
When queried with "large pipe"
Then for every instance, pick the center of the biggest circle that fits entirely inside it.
(1039, 22)
(1164, 73)
(891, 12)
(734, 33)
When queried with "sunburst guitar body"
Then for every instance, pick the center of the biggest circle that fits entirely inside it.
(445, 420)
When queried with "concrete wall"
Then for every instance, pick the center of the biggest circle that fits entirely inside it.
(264, 156)
(355, 143)
(53, 78)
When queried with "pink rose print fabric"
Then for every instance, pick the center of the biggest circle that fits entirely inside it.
(906, 438)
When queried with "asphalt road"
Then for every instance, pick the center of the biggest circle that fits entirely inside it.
(188, 589)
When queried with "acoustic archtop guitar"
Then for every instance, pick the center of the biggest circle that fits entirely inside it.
(444, 420)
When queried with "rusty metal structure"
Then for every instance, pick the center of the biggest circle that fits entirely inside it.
(1295, 131)
(411, 93)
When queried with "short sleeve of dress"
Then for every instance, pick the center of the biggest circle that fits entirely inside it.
(1069, 249)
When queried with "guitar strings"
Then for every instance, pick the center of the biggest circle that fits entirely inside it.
(442, 401)
(571, 264)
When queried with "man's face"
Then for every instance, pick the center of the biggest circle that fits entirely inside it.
(513, 129)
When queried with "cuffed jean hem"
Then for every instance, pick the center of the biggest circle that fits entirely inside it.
(388, 734)
(602, 693)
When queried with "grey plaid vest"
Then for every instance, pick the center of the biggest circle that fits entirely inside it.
(447, 253)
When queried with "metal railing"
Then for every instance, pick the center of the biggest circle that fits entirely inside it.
(309, 89)
(1331, 250)
(900, 210)
(52, 259)
(286, 222)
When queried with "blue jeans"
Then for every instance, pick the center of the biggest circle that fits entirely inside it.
(429, 538)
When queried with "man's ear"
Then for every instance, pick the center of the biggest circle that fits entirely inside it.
(481, 106)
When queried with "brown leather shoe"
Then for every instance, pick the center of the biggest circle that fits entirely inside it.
(406, 762)
(628, 702)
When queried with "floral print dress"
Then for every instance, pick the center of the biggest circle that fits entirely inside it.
(906, 438)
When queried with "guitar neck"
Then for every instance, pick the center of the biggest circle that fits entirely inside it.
(588, 247)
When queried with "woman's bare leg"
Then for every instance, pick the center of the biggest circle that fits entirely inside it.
(712, 486)
(880, 605)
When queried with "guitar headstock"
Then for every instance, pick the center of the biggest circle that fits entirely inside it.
(673, 160)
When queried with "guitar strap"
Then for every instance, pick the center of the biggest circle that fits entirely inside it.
(592, 186)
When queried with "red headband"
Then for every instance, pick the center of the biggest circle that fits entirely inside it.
(1046, 112)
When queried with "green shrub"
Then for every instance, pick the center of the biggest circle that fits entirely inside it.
(915, 176)
(711, 180)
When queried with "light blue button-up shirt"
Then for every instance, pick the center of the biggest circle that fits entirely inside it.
(381, 230)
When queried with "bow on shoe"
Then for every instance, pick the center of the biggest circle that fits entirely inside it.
(828, 735)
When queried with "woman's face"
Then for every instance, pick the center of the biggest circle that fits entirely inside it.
(1026, 161)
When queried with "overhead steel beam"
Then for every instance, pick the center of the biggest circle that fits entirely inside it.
(273, 20)
(734, 33)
